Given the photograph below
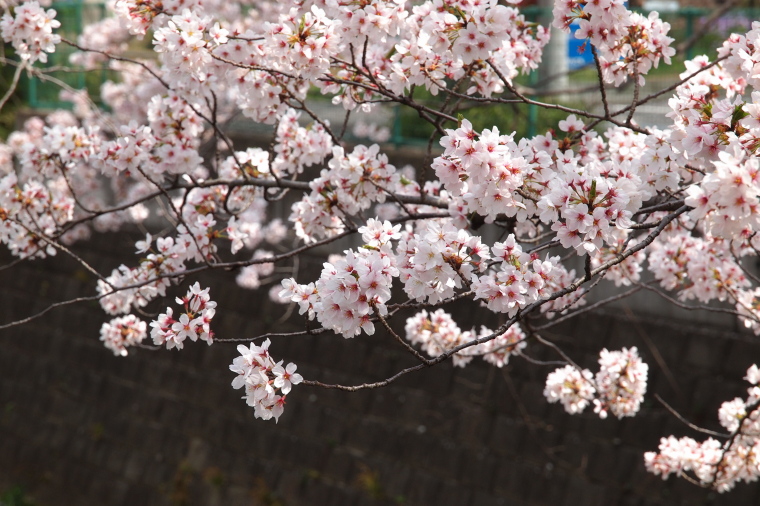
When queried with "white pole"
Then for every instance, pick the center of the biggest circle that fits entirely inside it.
(553, 70)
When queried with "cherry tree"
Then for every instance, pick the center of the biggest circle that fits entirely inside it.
(526, 227)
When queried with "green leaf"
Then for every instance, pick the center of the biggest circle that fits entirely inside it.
(737, 116)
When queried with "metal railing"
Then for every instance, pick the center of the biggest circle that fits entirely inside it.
(73, 15)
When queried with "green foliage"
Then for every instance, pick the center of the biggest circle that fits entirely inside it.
(8, 117)
(15, 496)
(97, 431)
(215, 477)
(45, 93)
(369, 481)
(507, 118)
(9, 112)
(179, 491)
(516, 118)
(262, 494)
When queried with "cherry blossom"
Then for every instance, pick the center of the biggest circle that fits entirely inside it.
(572, 387)
(522, 228)
(617, 388)
(262, 378)
(621, 383)
(718, 464)
(122, 332)
(628, 43)
(30, 31)
(354, 288)
(194, 323)
(436, 333)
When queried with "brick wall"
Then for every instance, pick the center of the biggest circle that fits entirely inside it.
(82, 427)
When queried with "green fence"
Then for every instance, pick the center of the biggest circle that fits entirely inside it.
(43, 93)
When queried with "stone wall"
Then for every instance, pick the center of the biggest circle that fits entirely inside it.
(82, 427)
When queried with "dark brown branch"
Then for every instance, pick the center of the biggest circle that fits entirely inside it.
(686, 422)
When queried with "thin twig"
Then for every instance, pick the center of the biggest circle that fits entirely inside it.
(600, 76)
(12, 88)
(688, 423)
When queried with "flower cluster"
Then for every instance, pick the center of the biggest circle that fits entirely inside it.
(126, 153)
(448, 39)
(595, 201)
(561, 279)
(697, 268)
(618, 387)
(627, 272)
(710, 118)
(588, 197)
(266, 382)
(298, 147)
(743, 55)
(30, 31)
(353, 183)
(194, 323)
(486, 170)
(498, 350)
(728, 197)
(136, 286)
(519, 280)
(720, 465)
(620, 383)
(628, 43)
(259, 94)
(355, 288)
(147, 281)
(305, 41)
(138, 15)
(250, 275)
(437, 259)
(30, 214)
(437, 333)
(109, 35)
(570, 386)
(182, 46)
(122, 332)
(370, 18)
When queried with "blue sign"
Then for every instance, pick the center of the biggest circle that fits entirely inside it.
(579, 53)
